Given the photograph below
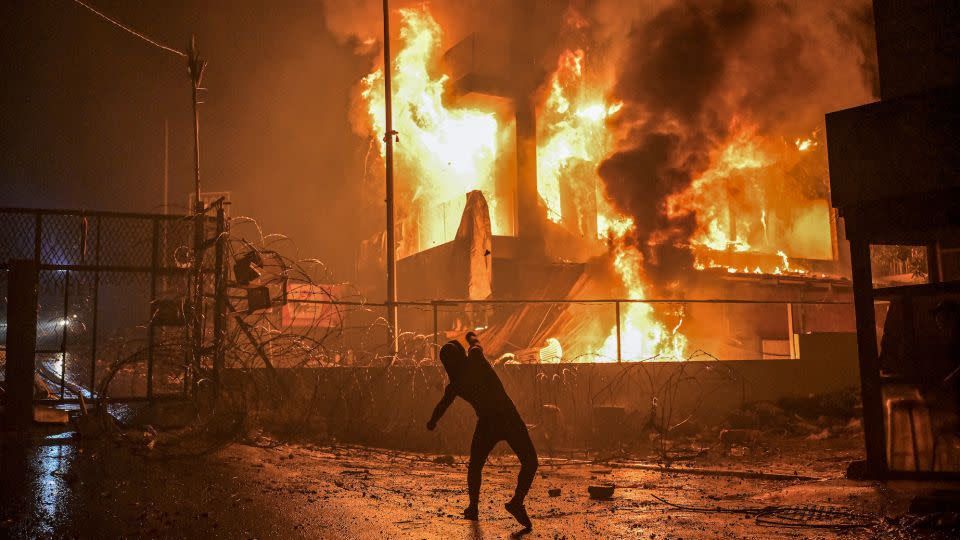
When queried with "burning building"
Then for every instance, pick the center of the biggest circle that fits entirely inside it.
(565, 155)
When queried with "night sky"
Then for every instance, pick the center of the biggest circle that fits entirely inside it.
(84, 105)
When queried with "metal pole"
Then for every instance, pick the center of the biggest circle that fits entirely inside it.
(871, 393)
(195, 66)
(153, 298)
(166, 195)
(21, 343)
(388, 139)
(63, 337)
(196, 303)
(790, 340)
(166, 165)
(436, 333)
(220, 301)
(96, 306)
(619, 354)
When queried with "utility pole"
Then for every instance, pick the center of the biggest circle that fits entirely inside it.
(166, 166)
(388, 138)
(195, 68)
(166, 191)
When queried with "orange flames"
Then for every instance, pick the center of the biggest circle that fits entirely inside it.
(573, 138)
(444, 151)
(643, 334)
(752, 199)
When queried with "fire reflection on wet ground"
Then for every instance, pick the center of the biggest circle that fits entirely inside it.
(36, 484)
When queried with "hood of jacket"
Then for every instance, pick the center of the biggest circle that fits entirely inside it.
(454, 359)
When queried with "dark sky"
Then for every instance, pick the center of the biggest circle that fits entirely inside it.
(84, 105)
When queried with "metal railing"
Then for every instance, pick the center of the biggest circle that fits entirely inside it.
(794, 321)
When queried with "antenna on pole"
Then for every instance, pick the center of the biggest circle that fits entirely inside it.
(388, 138)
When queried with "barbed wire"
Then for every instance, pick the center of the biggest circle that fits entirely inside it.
(283, 370)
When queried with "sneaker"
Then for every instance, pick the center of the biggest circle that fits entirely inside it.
(519, 512)
(471, 513)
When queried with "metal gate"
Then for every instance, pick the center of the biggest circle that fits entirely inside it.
(100, 276)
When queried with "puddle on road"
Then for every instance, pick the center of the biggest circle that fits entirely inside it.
(52, 465)
(36, 488)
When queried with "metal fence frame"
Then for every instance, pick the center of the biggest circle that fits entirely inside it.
(160, 263)
(435, 306)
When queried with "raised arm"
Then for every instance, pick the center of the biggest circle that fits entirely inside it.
(449, 394)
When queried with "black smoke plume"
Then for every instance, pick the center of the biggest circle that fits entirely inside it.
(693, 70)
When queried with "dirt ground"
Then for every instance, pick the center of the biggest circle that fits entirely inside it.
(340, 491)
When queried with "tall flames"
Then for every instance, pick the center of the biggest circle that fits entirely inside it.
(573, 138)
(445, 151)
(752, 199)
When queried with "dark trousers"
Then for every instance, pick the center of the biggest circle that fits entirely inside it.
(489, 432)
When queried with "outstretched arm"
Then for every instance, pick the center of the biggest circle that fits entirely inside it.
(449, 394)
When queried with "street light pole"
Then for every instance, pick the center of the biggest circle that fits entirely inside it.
(388, 139)
(195, 67)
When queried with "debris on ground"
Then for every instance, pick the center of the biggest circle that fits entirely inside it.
(937, 521)
(446, 459)
(602, 492)
(748, 438)
(43, 414)
(362, 492)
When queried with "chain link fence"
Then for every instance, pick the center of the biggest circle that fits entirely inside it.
(100, 274)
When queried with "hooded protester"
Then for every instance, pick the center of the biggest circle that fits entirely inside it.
(473, 379)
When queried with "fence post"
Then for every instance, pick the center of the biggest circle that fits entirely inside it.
(871, 385)
(65, 325)
(619, 354)
(96, 305)
(791, 342)
(196, 300)
(21, 342)
(220, 303)
(436, 333)
(154, 241)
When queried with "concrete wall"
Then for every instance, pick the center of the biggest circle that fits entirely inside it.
(389, 406)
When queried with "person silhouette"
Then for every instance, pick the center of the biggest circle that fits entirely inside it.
(473, 379)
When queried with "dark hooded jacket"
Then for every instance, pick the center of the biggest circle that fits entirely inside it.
(473, 379)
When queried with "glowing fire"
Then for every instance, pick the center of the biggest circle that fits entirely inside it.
(749, 201)
(447, 151)
(443, 152)
(750, 205)
(572, 140)
(642, 334)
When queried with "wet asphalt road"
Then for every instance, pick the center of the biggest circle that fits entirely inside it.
(309, 491)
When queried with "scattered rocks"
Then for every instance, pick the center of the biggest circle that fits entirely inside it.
(601, 492)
